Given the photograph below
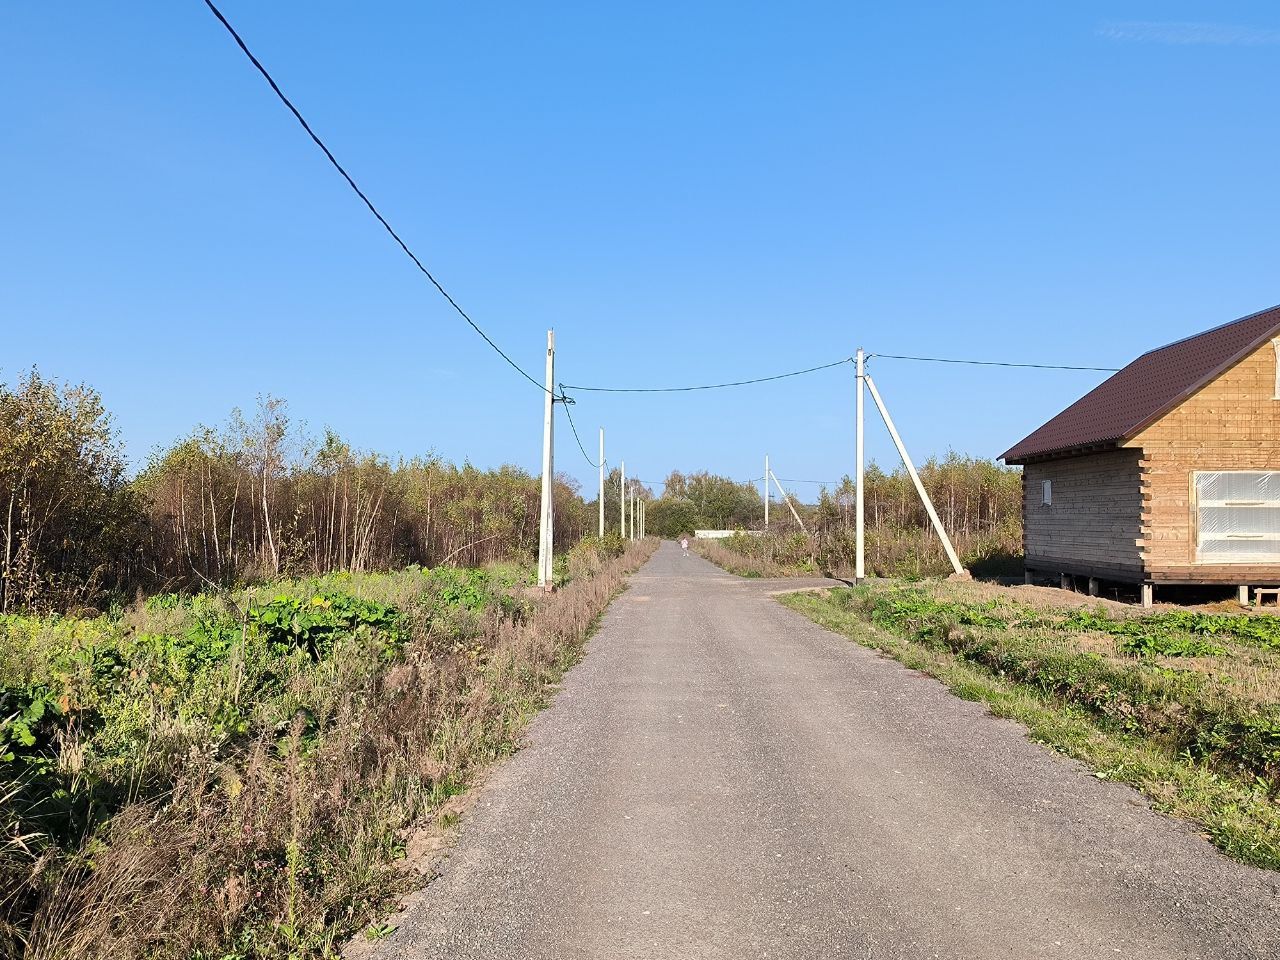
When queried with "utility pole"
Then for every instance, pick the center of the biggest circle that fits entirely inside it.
(546, 579)
(602, 483)
(766, 491)
(915, 478)
(622, 497)
(788, 501)
(859, 569)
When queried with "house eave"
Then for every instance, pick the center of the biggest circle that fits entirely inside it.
(1080, 450)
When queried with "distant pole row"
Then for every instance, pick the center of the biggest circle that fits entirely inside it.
(631, 505)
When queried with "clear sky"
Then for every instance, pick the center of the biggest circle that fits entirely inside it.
(685, 191)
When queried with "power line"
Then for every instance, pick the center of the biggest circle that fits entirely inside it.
(708, 386)
(992, 363)
(568, 402)
(360, 193)
(275, 87)
(743, 483)
(830, 483)
(827, 366)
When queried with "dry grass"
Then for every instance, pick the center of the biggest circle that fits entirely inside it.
(291, 846)
(744, 565)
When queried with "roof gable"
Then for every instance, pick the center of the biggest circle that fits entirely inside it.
(1147, 388)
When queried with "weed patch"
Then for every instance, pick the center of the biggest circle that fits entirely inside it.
(229, 776)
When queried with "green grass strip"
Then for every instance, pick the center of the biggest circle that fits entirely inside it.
(1238, 817)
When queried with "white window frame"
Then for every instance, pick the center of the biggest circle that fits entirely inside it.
(1198, 504)
(1276, 343)
(1046, 493)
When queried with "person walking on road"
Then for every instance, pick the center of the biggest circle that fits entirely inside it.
(684, 545)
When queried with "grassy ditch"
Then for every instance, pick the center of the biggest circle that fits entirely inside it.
(1184, 706)
(231, 775)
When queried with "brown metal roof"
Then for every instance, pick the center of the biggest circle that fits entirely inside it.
(1151, 386)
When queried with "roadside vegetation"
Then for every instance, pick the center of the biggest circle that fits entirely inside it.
(1185, 706)
(233, 685)
(254, 499)
(978, 501)
(232, 774)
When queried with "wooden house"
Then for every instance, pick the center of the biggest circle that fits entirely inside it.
(1168, 472)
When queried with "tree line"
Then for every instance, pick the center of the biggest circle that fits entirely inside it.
(258, 497)
(978, 502)
(255, 497)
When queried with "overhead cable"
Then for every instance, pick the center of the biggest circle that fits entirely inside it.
(568, 402)
(992, 363)
(361, 194)
(709, 386)
(297, 114)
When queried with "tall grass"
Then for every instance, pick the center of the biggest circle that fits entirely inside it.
(896, 553)
(240, 788)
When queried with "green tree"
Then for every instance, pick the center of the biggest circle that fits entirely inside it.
(70, 523)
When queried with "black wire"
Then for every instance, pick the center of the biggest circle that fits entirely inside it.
(992, 363)
(360, 193)
(568, 402)
(275, 87)
(708, 386)
(741, 483)
(832, 483)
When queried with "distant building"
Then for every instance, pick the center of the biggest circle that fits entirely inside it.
(1166, 473)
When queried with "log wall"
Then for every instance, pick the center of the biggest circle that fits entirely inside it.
(1094, 525)
(1232, 423)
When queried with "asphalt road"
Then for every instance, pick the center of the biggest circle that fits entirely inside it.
(721, 778)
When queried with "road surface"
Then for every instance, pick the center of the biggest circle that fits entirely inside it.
(722, 778)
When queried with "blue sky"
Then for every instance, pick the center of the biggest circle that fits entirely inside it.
(686, 192)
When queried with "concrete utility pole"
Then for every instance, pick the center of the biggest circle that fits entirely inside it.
(602, 482)
(788, 501)
(546, 579)
(859, 570)
(915, 478)
(622, 496)
(766, 491)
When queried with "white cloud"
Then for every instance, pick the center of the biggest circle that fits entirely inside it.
(1188, 34)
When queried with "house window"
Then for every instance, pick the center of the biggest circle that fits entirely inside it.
(1046, 493)
(1237, 517)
